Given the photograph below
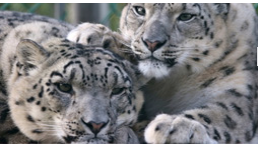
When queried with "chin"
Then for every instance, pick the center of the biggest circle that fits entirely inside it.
(153, 69)
(90, 139)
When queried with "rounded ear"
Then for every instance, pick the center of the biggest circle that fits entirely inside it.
(30, 54)
(221, 8)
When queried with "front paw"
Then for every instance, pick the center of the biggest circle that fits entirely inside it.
(92, 34)
(176, 129)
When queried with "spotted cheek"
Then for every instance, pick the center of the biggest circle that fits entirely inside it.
(72, 125)
(56, 106)
(41, 111)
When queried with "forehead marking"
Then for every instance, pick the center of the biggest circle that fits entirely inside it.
(55, 73)
(115, 75)
(72, 74)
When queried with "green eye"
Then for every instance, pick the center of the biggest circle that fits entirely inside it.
(67, 88)
(117, 91)
(185, 17)
(139, 10)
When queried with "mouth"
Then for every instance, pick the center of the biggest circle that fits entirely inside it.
(168, 62)
(153, 67)
(88, 139)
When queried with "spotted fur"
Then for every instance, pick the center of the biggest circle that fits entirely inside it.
(57, 91)
(202, 62)
(205, 65)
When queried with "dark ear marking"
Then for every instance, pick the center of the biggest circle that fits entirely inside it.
(221, 8)
(107, 43)
(27, 48)
(29, 55)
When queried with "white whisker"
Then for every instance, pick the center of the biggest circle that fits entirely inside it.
(48, 125)
(49, 130)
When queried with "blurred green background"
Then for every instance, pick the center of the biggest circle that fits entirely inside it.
(105, 13)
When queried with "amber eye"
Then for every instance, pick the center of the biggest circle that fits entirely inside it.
(67, 88)
(117, 91)
(185, 17)
(139, 10)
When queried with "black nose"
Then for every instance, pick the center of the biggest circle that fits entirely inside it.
(153, 45)
(95, 127)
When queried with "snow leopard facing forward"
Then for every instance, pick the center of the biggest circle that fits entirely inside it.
(57, 91)
(202, 61)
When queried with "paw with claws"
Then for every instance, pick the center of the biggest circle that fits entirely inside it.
(102, 36)
(176, 129)
(93, 34)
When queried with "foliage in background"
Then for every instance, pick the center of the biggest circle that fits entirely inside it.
(114, 15)
(47, 9)
(256, 7)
